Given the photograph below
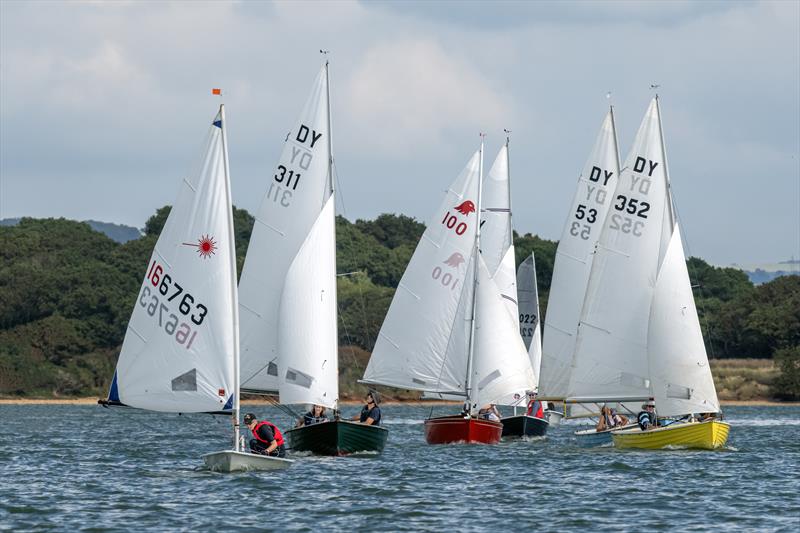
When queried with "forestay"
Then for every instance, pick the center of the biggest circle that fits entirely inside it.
(574, 256)
(287, 289)
(611, 349)
(424, 339)
(179, 348)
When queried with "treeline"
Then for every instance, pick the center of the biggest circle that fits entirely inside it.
(68, 291)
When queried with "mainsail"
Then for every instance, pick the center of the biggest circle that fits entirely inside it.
(497, 243)
(529, 321)
(611, 352)
(180, 346)
(574, 257)
(288, 288)
(425, 334)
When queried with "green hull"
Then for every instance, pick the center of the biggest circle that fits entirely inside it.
(339, 437)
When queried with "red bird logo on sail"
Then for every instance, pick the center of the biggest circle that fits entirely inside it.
(454, 260)
(466, 207)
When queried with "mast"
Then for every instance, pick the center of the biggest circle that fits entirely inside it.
(332, 190)
(234, 289)
(476, 250)
(508, 174)
(614, 133)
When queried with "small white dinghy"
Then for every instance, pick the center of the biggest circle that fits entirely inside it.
(181, 349)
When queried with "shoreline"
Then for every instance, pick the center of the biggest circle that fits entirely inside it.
(93, 401)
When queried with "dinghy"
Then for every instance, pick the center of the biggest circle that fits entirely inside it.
(181, 348)
(640, 334)
(527, 425)
(582, 396)
(448, 330)
(288, 287)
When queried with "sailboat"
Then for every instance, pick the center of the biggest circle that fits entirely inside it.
(181, 349)
(448, 330)
(497, 249)
(287, 292)
(646, 256)
(568, 296)
(528, 425)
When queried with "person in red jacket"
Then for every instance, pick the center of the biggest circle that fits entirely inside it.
(267, 437)
(535, 408)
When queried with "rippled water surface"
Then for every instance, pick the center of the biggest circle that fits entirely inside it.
(68, 467)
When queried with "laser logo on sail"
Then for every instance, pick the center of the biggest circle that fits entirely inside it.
(206, 246)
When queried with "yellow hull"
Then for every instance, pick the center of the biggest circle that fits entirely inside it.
(708, 435)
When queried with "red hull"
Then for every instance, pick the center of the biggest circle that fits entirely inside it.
(457, 429)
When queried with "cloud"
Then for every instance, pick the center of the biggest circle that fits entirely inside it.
(414, 93)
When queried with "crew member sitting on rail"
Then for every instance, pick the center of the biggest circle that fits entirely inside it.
(610, 419)
(370, 413)
(489, 412)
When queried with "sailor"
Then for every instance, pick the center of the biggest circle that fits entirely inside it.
(610, 419)
(370, 413)
(647, 417)
(489, 412)
(535, 407)
(267, 437)
(315, 416)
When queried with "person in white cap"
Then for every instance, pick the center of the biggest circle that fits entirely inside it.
(647, 417)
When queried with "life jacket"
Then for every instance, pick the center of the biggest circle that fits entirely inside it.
(275, 431)
(539, 410)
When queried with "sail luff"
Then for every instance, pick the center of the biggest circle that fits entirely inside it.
(233, 278)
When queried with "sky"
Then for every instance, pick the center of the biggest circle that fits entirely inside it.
(104, 106)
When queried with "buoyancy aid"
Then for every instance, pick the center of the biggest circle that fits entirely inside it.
(275, 431)
(539, 410)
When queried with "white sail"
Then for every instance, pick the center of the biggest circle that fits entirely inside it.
(297, 192)
(307, 338)
(423, 342)
(529, 313)
(179, 349)
(497, 245)
(611, 350)
(501, 368)
(574, 256)
(679, 370)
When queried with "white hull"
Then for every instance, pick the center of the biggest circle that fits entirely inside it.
(233, 461)
(553, 417)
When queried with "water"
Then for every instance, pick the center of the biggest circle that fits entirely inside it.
(73, 467)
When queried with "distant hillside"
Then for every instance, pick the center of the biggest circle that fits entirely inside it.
(764, 272)
(116, 232)
(66, 294)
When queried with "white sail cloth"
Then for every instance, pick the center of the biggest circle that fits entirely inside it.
(178, 352)
(497, 244)
(679, 370)
(574, 257)
(501, 367)
(425, 335)
(279, 270)
(611, 349)
(529, 323)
